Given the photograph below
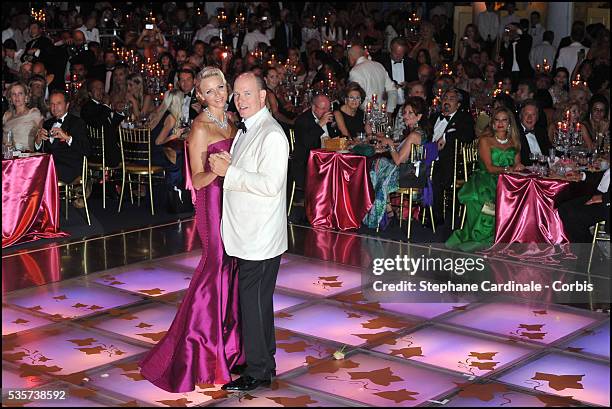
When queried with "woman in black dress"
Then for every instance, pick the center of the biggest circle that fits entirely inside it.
(350, 117)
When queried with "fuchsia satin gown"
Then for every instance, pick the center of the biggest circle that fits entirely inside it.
(203, 342)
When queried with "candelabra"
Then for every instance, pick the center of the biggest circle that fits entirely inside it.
(544, 67)
(413, 28)
(72, 85)
(577, 82)
(376, 115)
(153, 76)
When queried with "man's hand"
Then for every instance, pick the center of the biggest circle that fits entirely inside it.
(60, 134)
(595, 200)
(518, 167)
(325, 119)
(441, 143)
(41, 135)
(219, 164)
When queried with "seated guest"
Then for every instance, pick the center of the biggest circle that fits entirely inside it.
(141, 104)
(579, 214)
(37, 95)
(499, 151)
(165, 127)
(350, 117)
(449, 126)
(274, 102)
(574, 119)
(65, 137)
(598, 124)
(97, 113)
(23, 122)
(560, 88)
(310, 127)
(526, 91)
(385, 173)
(534, 138)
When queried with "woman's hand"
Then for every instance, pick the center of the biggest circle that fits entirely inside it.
(518, 167)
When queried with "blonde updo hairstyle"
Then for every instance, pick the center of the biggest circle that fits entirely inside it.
(208, 72)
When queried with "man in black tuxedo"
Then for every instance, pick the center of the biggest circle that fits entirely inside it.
(65, 137)
(526, 92)
(39, 48)
(518, 66)
(287, 34)
(449, 126)
(579, 214)
(104, 72)
(401, 68)
(97, 113)
(191, 105)
(534, 138)
(310, 126)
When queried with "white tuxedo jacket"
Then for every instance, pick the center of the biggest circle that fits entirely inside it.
(254, 219)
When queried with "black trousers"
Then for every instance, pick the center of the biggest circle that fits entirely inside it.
(257, 280)
(442, 181)
(577, 218)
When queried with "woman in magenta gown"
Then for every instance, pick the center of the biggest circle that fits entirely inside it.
(203, 342)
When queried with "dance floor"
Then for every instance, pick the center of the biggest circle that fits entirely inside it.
(83, 333)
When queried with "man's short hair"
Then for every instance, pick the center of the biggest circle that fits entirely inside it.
(401, 41)
(9, 44)
(531, 102)
(578, 32)
(548, 36)
(59, 92)
(535, 13)
(187, 71)
(530, 84)
(456, 91)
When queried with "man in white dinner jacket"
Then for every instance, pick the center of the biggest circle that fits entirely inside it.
(254, 222)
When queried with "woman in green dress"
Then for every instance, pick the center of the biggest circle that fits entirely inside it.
(499, 149)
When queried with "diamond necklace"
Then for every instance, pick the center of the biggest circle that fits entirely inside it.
(220, 124)
(504, 141)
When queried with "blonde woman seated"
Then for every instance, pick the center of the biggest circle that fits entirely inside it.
(499, 149)
(141, 104)
(385, 173)
(165, 127)
(23, 122)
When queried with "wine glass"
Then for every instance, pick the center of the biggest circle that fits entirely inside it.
(542, 161)
(533, 158)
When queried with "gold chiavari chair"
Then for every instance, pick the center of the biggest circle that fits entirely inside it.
(417, 153)
(97, 140)
(69, 189)
(293, 185)
(137, 150)
(458, 178)
(470, 163)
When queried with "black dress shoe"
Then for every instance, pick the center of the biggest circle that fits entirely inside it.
(245, 383)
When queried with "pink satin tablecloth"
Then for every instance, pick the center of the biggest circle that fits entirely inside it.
(30, 200)
(338, 190)
(526, 210)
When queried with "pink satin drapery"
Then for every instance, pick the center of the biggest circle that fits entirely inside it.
(526, 210)
(338, 190)
(30, 200)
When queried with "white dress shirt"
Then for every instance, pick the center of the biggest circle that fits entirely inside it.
(307, 34)
(325, 130)
(206, 33)
(440, 127)
(536, 32)
(397, 68)
(540, 52)
(57, 124)
(568, 56)
(374, 79)
(604, 185)
(534, 146)
(515, 64)
(488, 24)
(90, 35)
(252, 39)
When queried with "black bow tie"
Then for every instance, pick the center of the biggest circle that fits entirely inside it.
(447, 117)
(110, 69)
(398, 62)
(59, 121)
(240, 125)
(528, 131)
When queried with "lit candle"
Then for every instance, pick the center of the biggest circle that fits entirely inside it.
(559, 125)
